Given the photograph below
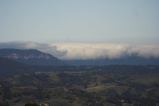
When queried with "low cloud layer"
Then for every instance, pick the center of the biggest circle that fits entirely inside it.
(87, 50)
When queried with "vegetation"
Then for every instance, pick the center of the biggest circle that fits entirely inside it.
(82, 86)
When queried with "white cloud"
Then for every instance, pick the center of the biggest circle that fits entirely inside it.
(91, 51)
(88, 50)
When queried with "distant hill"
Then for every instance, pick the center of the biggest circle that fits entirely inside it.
(8, 66)
(125, 60)
(30, 57)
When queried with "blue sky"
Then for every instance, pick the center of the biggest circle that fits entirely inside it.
(112, 21)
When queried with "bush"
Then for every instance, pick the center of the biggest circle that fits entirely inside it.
(31, 104)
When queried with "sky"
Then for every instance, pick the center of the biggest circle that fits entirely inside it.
(88, 21)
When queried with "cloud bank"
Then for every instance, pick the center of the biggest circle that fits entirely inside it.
(87, 50)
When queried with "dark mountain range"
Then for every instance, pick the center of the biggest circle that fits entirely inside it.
(34, 57)
(30, 57)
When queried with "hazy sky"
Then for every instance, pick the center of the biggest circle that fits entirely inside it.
(115, 21)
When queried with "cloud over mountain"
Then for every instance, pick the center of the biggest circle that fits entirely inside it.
(87, 50)
(33, 45)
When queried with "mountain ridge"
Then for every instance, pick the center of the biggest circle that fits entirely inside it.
(30, 56)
